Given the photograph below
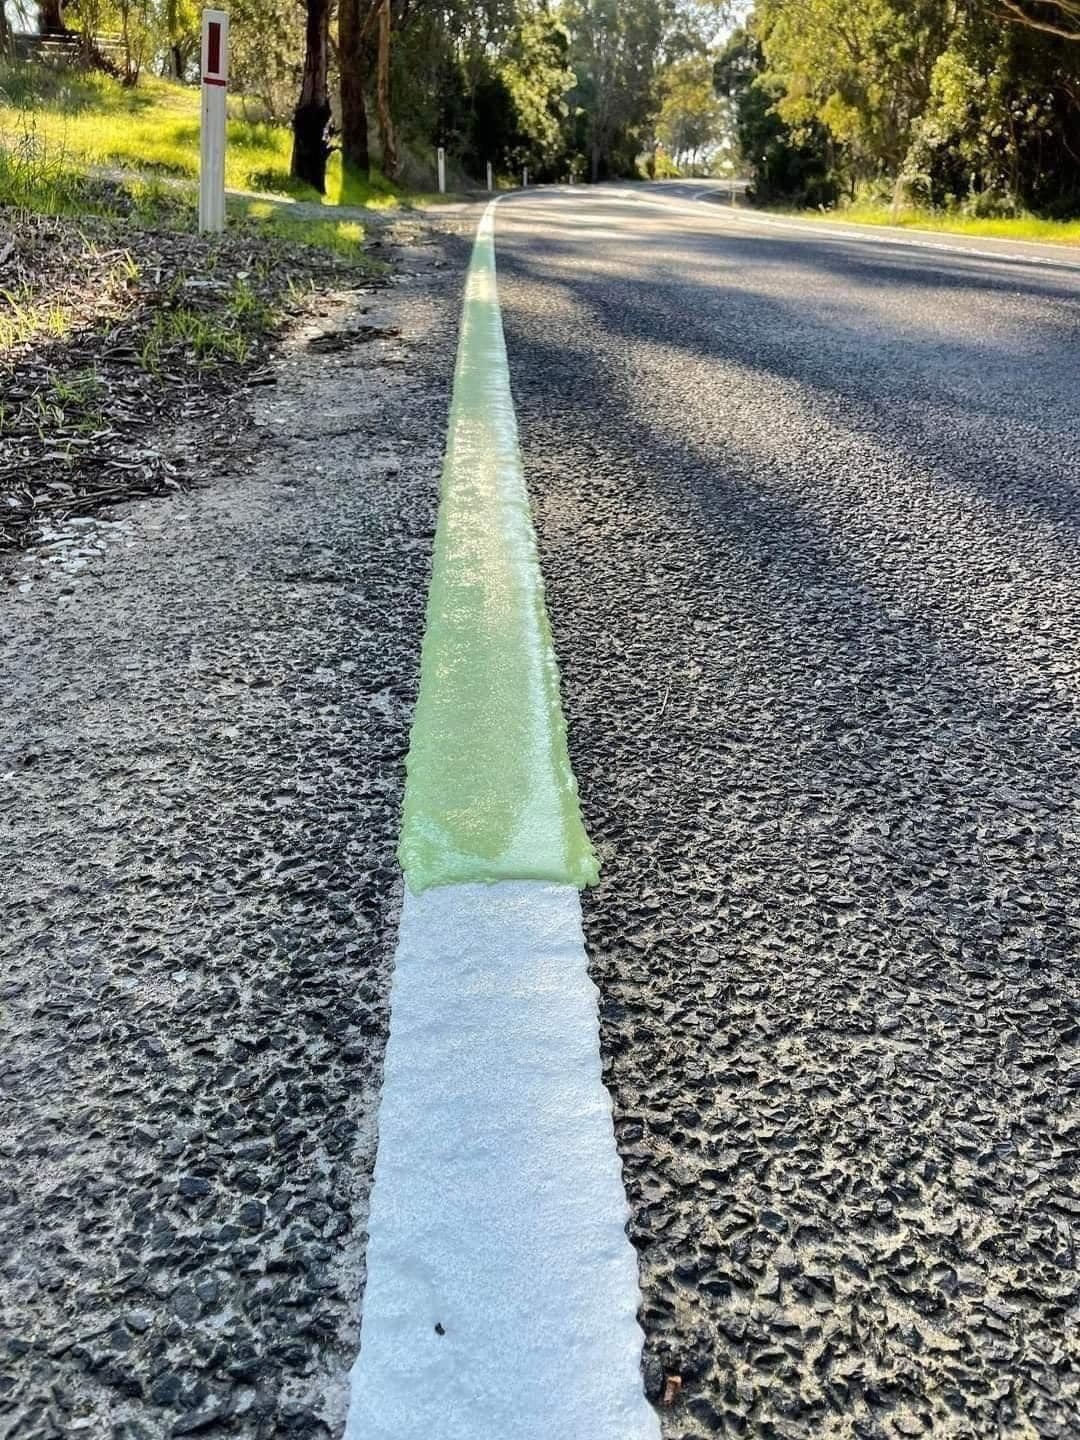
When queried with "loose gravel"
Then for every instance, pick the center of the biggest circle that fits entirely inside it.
(809, 529)
(203, 717)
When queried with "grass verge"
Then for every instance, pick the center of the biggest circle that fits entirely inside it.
(37, 184)
(72, 121)
(1022, 227)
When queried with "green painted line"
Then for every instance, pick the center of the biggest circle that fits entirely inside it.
(489, 794)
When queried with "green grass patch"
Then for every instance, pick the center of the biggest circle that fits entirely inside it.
(43, 186)
(1021, 227)
(71, 121)
(343, 238)
(86, 120)
(344, 186)
(209, 339)
(72, 403)
(23, 318)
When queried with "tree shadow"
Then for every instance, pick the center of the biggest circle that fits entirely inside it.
(676, 449)
(985, 412)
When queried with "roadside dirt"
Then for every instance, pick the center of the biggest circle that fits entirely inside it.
(204, 704)
(115, 333)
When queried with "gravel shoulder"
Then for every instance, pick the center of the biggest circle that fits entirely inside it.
(809, 533)
(203, 715)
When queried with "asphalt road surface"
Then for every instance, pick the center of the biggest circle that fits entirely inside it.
(807, 513)
(808, 520)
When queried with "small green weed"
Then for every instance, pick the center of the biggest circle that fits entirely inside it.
(209, 340)
(23, 318)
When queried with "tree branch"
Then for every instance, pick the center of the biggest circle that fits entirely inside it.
(1016, 15)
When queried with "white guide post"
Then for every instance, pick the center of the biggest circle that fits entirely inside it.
(525, 177)
(215, 74)
(490, 177)
(440, 159)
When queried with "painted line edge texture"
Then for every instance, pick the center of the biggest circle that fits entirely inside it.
(502, 1289)
(490, 794)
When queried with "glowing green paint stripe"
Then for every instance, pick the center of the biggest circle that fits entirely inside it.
(490, 794)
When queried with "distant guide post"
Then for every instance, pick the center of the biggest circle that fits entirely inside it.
(215, 74)
(440, 156)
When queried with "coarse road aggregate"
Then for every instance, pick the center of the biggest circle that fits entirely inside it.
(810, 531)
(203, 719)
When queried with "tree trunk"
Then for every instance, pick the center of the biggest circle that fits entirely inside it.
(382, 96)
(352, 58)
(50, 15)
(312, 114)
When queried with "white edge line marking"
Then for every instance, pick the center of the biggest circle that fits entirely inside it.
(502, 1291)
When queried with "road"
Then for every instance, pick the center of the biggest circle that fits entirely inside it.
(808, 526)
(808, 522)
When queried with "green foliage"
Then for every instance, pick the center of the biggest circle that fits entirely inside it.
(1001, 128)
(615, 52)
(862, 70)
(786, 165)
(660, 166)
(266, 53)
(692, 118)
(488, 84)
(537, 78)
(935, 105)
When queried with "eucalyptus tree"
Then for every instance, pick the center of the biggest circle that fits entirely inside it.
(1060, 18)
(615, 47)
(311, 118)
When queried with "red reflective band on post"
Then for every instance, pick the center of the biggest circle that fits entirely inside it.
(213, 47)
(214, 80)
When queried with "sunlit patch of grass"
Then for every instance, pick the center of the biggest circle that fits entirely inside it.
(25, 317)
(1020, 227)
(343, 238)
(82, 121)
(153, 127)
(346, 186)
(208, 339)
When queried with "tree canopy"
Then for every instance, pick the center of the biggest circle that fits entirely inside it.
(964, 102)
(589, 88)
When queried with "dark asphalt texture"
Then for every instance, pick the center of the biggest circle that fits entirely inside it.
(810, 529)
(204, 711)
